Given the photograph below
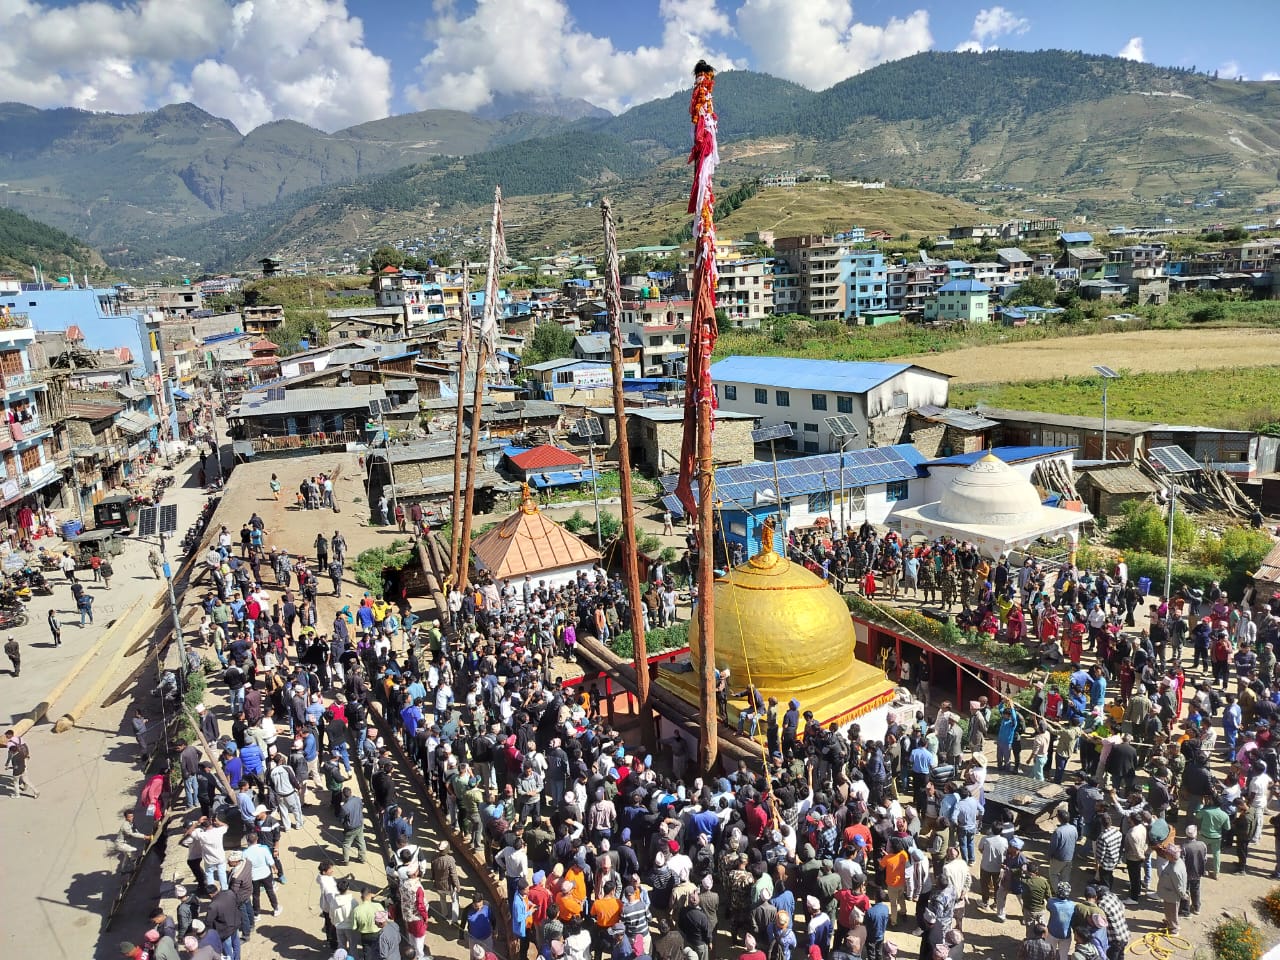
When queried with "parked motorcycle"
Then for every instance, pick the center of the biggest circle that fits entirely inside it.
(33, 580)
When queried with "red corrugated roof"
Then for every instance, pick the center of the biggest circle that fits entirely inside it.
(74, 333)
(263, 362)
(263, 344)
(546, 456)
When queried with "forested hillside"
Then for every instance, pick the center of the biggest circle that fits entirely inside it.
(27, 243)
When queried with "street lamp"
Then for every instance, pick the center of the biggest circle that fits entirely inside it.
(843, 429)
(1107, 375)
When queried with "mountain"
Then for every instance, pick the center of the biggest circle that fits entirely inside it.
(113, 178)
(1053, 132)
(563, 108)
(25, 243)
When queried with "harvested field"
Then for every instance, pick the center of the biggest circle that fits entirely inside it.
(1140, 351)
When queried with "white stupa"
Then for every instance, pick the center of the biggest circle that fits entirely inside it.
(993, 506)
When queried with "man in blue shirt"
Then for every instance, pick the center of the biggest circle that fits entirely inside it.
(964, 817)
(251, 757)
(876, 920)
(922, 763)
(480, 925)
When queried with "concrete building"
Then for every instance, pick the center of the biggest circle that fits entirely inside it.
(570, 381)
(965, 301)
(27, 448)
(371, 323)
(655, 434)
(803, 393)
(865, 281)
(744, 291)
(816, 261)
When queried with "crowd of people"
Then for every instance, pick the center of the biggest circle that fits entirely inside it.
(835, 850)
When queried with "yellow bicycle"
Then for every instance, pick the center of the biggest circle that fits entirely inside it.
(1159, 945)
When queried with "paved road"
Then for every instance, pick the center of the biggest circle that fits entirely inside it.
(60, 877)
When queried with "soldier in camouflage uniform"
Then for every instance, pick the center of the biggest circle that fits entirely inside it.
(927, 578)
(966, 588)
(948, 581)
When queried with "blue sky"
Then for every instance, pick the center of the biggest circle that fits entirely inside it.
(332, 63)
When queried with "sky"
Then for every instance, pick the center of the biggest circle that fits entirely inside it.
(334, 63)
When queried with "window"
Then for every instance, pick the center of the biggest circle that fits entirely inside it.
(782, 398)
(730, 392)
(762, 396)
(811, 446)
(819, 401)
(895, 491)
(810, 428)
(655, 341)
(899, 400)
(678, 339)
(819, 502)
(564, 377)
(844, 404)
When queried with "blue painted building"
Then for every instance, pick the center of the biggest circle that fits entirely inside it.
(866, 282)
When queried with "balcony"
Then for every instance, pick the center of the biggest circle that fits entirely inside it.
(38, 477)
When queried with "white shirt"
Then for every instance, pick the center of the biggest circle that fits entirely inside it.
(210, 839)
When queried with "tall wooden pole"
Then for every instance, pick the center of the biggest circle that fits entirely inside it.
(630, 565)
(483, 353)
(706, 590)
(467, 343)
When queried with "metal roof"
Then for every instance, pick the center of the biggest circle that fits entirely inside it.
(310, 400)
(1114, 425)
(442, 485)
(1077, 237)
(545, 456)
(1117, 478)
(565, 362)
(592, 342)
(131, 421)
(1013, 255)
(835, 376)
(425, 450)
(672, 414)
(960, 419)
(1007, 454)
(738, 486)
(964, 286)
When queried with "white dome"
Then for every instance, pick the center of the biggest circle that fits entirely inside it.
(990, 492)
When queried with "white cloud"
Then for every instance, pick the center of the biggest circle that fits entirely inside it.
(1133, 50)
(991, 23)
(819, 42)
(1230, 71)
(254, 61)
(473, 56)
(1271, 75)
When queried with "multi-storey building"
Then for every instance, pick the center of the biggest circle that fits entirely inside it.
(910, 285)
(30, 471)
(817, 262)
(865, 281)
(744, 291)
(661, 328)
(968, 301)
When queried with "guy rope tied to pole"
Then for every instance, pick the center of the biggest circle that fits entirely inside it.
(466, 347)
(699, 393)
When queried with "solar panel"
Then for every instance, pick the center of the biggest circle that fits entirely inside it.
(275, 393)
(147, 522)
(1106, 372)
(362, 366)
(1173, 459)
(384, 405)
(168, 518)
(779, 431)
(588, 427)
(373, 407)
(842, 426)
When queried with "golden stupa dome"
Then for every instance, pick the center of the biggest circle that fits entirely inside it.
(783, 629)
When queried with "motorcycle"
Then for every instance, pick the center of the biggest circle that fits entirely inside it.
(11, 596)
(12, 617)
(34, 580)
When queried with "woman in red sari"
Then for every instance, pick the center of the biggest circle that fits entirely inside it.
(1017, 624)
(1126, 680)
(1075, 642)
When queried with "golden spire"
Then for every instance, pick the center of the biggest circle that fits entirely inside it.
(767, 557)
(527, 503)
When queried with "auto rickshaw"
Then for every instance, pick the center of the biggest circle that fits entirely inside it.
(103, 543)
(117, 513)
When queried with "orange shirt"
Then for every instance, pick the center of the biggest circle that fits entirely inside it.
(568, 907)
(606, 912)
(579, 880)
(895, 868)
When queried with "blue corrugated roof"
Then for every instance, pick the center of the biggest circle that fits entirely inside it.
(515, 451)
(737, 486)
(1007, 454)
(838, 376)
(1079, 236)
(561, 478)
(964, 286)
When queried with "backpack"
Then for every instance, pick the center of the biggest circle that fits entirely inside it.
(24, 751)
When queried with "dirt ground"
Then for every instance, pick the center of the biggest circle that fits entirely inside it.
(1140, 351)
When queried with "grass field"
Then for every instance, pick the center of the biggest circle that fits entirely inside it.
(1242, 398)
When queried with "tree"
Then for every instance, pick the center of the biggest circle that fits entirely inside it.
(386, 256)
(550, 341)
(1034, 291)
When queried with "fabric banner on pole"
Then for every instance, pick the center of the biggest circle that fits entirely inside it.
(497, 257)
(698, 388)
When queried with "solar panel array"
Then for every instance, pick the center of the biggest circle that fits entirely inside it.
(168, 518)
(379, 406)
(275, 393)
(1173, 459)
(147, 522)
(737, 486)
(588, 427)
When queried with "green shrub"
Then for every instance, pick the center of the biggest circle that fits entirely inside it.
(1235, 938)
(1145, 526)
(1238, 548)
(370, 564)
(668, 555)
(648, 544)
(610, 526)
(576, 522)
(1153, 566)
(656, 640)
